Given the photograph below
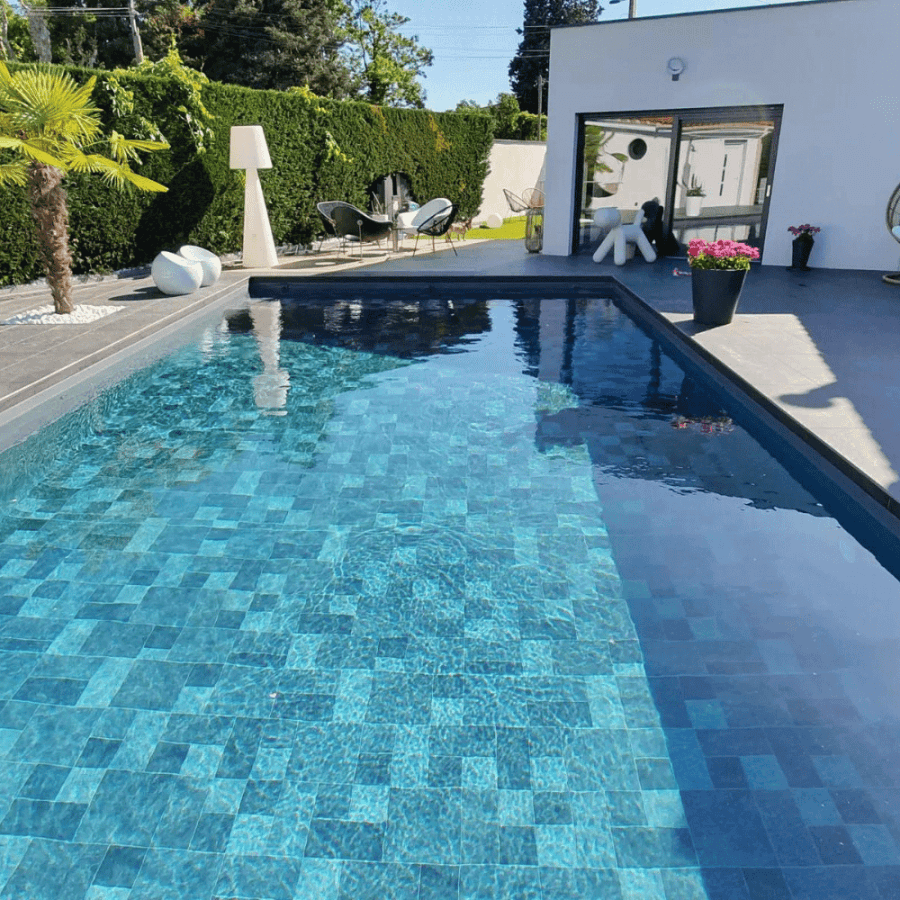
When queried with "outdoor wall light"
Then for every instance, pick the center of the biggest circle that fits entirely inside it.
(675, 66)
(249, 151)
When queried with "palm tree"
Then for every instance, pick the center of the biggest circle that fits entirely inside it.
(50, 125)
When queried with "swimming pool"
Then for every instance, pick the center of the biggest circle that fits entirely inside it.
(427, 599)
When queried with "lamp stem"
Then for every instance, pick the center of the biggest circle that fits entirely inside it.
(259, 246)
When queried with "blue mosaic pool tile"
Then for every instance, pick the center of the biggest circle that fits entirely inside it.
(169, 874)
(830, 883)
(120, 866)
(727, 829)
(52, 868)
(98, 753)
(336, 839)
(762, 773)
(80, 785)
(44, 782)
(211, 833)
(788, 833)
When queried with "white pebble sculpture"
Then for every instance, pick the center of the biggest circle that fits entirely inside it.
(620, 235)
(174, 274)
(209, 262)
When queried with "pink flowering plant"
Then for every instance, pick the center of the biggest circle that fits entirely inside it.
(799, 230)
(720, 254)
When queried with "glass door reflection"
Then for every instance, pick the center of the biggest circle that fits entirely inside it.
(721, 183)
(624, 164)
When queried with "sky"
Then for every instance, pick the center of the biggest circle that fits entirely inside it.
(473, 41)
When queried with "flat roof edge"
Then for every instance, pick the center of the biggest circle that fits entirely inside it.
(699, 12)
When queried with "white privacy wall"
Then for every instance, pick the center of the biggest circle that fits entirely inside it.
(514, 165)
(833, 64)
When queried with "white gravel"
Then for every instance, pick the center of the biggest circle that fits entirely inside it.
(44, 315)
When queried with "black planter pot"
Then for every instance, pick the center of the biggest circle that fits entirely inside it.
(801, 247)
(716, 293)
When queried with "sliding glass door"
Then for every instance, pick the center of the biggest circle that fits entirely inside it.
(711, 170)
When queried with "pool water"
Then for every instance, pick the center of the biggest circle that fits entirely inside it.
(457, 599)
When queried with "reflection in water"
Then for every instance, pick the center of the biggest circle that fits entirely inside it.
(640, 416)
(270, 388)
(407, 329)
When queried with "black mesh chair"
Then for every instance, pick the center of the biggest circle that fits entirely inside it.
(438, 225)
(353, 224)
(326, 211)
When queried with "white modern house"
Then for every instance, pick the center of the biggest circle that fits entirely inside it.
(784, 115)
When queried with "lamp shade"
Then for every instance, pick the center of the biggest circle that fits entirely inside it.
(248, 148)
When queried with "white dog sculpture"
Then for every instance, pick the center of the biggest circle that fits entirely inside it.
(621, 235)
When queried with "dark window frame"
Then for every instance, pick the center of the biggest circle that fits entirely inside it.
(680, 117)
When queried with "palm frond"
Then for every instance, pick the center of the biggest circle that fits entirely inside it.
(146, 145)
(14, 173)
(32, 151)
(145, 184)
(92, 162)
(112, 172)
(50, 106)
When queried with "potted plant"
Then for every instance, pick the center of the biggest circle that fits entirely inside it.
(693, 197)
(718, 269)
(802, 245)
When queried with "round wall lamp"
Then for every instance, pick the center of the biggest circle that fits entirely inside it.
(637, 148)
(675, 67)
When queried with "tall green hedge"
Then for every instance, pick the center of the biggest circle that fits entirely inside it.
(321, 150)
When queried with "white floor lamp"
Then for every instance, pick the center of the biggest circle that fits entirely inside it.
(249, 151)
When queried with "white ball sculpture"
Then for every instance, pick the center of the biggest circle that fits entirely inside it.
(620, 235)
(174, 274)
(209, 262)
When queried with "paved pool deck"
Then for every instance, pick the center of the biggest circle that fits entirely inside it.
(820, 345)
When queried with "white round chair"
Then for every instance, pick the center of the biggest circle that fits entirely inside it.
(174, 274)
(212, 265)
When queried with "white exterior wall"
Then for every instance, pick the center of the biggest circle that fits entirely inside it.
(833, 66)
(514, 165)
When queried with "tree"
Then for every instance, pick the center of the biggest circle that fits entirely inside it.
(273, 44)
(15, 37)
(470, 106)
(168, 25)
(49, 125)
(384, 63)
(532, 59)
(510, 123)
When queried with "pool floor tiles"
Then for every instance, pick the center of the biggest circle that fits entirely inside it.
(272, 683)
(260, 679)
(778, 724)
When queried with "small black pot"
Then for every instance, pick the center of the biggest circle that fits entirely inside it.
(715, 293)
(801, 247)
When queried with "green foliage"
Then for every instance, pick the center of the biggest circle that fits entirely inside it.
(19, 47)
(512, 229)
(510, 123)
(45, 117)
(187, 92)
(87, 39)
(271, 44)
(384, 63)
(321, 150)
(166, 24)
